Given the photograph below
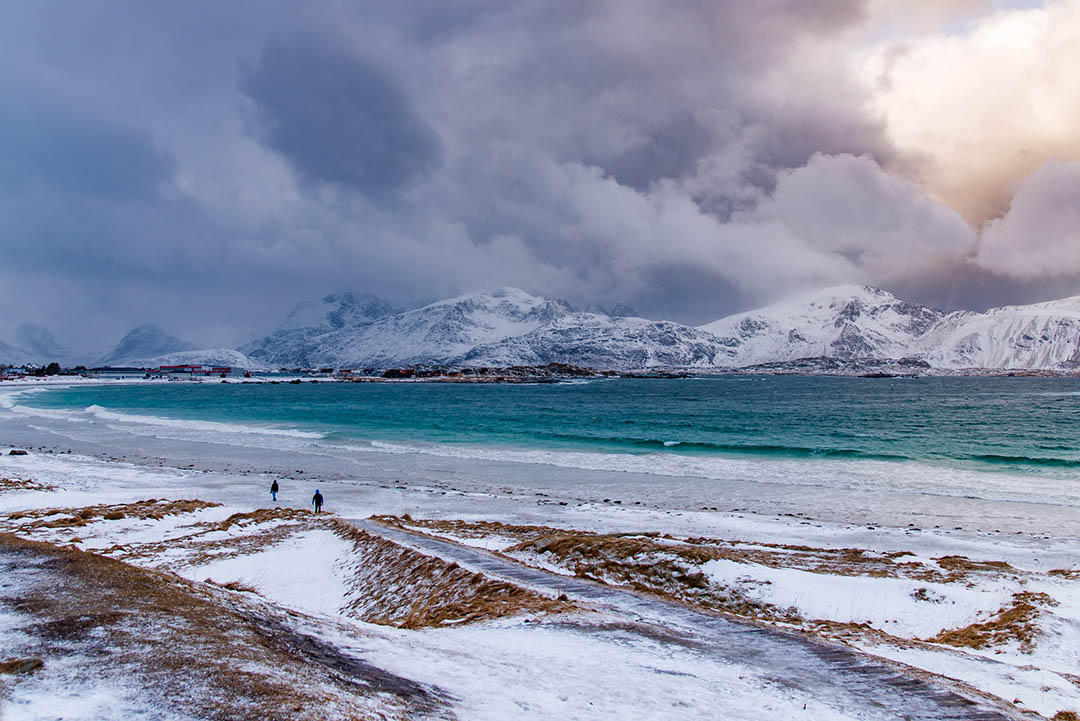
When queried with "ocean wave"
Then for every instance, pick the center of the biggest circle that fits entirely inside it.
(826, 473)
(749, 449)
(1037, 461)
(106, 414)
(8, 400)
(717, 466)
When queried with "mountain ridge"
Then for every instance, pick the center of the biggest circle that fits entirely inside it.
(842, 326)
(851, 324)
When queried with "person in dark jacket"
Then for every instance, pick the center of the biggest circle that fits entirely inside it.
(317, 500)
(273, 491)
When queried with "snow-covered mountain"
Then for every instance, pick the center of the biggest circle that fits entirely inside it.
(10, 355)
(853, 323)
(845, 325)
(33, 344)
(845, 322)
(505, 327)
(337, 310)
(202, 357)
(40, 341)
(143, 342)
(601, 341)
(1041, 335)
(300, 339)
(148, 346)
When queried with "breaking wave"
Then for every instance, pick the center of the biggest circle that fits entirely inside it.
(217, 427)
(1034, 461)
(742, 449)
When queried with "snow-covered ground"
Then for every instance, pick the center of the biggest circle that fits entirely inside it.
(902, 588)
(526, 666)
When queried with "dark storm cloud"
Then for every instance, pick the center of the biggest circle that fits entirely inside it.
(53, 145)
(338, 117)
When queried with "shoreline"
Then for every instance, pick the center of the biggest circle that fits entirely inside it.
(869, 494)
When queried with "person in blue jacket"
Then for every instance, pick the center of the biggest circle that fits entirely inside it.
(273, 491)
(317, 500)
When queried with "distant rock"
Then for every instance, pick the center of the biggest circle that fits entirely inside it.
(143, 342)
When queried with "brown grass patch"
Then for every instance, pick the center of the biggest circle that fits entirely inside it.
(965, 564)
(476, 529)
(645, 564)
(832, 561)
(21, 665)
(1071, 574)
(1065, 716)
(192, 654)
(261, 515)
(1012, 623)
(200, 550)
(233, 586)
(397, 586)
(151, 509)
(23, 484)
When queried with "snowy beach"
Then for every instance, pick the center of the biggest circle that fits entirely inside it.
(992, 614)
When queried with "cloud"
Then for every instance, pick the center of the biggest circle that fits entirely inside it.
(886, 226)
(1040, 234)
(338, 117)
(977, 111)
(205, 167)
(51, 144)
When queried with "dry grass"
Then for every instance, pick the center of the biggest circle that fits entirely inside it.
(647, 565)
(23, 484)
(400, 587)
(188, 650)
(832, 561)
(667, 566)
(475, 529)
(392, 585)
(192, 546)
(151, 509)
(1015, 622)
(1065, 716)
(21, 665)
(233, 586)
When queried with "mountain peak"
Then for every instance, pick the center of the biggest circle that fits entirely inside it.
(39, 340)
(340, 309)
(145, 341)
(846, 322)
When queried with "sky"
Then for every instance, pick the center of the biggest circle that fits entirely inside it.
(206, 165)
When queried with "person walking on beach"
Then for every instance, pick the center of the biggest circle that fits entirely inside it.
(273, 491)
(317, 500)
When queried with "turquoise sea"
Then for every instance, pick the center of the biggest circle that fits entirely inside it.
(1026, 426)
